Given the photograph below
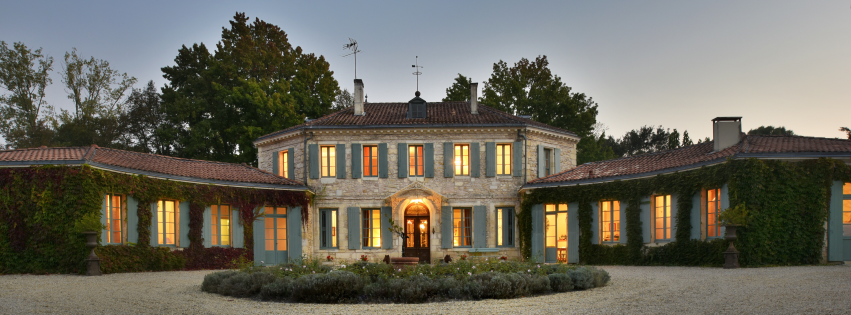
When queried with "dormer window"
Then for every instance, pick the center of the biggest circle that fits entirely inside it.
(417, 107)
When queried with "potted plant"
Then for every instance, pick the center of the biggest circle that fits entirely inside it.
(732, 219)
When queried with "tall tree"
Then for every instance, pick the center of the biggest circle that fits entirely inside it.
(344, 100)
(459, 90)
(26, 120)
(255, 83)
(142, 117)
(673, 140)
(686, 139)
(847, 131)
(771, 131)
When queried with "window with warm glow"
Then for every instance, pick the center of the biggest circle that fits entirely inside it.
(505, 227)
(283, 163)
(556, 229)
(327, 228)
(166, 222)
(275, 228)
(662, 217)
(415, 160)
(548, 162)
(462, 223)
(462, 159)
(328, 161)
(610, 213)
(221, 225)
(713, 207)
(846, 210)
(503, 159)
(113, 219)
(371, 228)
(370, 161)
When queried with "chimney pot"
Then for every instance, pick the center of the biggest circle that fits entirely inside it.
(359, 97)
(474, 99)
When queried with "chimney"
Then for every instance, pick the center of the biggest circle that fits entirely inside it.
(726, 132)
(474, 99)
(359, 97)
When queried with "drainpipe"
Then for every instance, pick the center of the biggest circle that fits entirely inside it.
(306, 138)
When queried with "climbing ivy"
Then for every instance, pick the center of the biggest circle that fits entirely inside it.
(788, 203)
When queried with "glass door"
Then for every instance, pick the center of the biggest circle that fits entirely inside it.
(276, 235)
(556, 232)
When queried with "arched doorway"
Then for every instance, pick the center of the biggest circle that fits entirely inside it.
(417, 227)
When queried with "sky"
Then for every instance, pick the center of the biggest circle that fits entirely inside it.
(672, 63)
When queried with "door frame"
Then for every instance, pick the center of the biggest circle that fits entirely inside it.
(429, 224)
(273, 256)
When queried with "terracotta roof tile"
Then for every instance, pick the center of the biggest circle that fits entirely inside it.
(44, 154)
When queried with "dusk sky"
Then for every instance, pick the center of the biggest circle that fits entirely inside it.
(671, 63)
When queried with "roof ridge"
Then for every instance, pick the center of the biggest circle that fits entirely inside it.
(173, 157)
(797, 136)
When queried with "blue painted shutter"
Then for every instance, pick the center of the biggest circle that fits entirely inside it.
(542, 167)
(103, 223)
(290, 164)
(646, 217)
(517, 159)
(557, 160)
(490, 157)
(341, 160)
(382, 160)
(448, 156)
(446, 227)
(276, 155)
(294, 233)
(402, 159)
(674, 210)
(183, 232)
(428, 160)
(835, 251)
(624, 204)
(480, 235)
(595, 222)
(237, 234)
(353, 214)
(357, 167)
(386, 235)
(475, 157)
(573, 232)
(313, 156)
(538, 233)
(259, 240)
(206, 228)
(132, 220)
(154, 229)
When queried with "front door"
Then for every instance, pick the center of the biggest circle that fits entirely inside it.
(417, 244)
(276, 238)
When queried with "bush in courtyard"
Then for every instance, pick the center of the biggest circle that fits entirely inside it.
(450, 287)
(127, 258)
(601, 277)
(245, 284)
(280, 289)
(212, 281)
(561, 282)
(329, 287)
(583, 278)
(539, 284)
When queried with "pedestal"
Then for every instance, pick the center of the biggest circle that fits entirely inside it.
(92, 262)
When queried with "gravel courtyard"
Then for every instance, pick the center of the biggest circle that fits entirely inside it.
(638, 290)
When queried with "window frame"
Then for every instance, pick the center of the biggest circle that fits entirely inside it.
(614, 222)
(368, 158)
(283, 163)
(667, 220)
(548, 161)
(275, 216)
(161, 222)
(461, 161)
(464, 231)
(717, 209)
(505, 223)
(333, 219)
(368, 229)
(503, 168)
(846, 210)
(217, 237)
(418, 161)
(109, 217)
(328, 161)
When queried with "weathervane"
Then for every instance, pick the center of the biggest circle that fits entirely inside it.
(417, 72)
(353, 46)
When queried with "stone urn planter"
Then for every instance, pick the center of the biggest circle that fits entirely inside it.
(731, 255)
(404, 262)
(92, 262)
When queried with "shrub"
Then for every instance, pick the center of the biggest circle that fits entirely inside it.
(538, 284)
(332, 287)
(214, 257)
(582, 278)
(244, 284)
(561, 282)
(519, 283)
(601, 277)
(212, 281)
(450, 287)
(280, 289)
(418, 289)
(126, 258)
(377, 291)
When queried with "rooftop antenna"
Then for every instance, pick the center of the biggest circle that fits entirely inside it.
(353, 46)
(417, 72)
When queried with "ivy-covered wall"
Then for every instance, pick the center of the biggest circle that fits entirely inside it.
(44, 209)
(787, 202)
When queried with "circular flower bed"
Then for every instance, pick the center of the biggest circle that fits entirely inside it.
(371, 282)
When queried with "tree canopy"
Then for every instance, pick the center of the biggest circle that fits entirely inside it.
(771, 131)
(459, 90)
(26, 120)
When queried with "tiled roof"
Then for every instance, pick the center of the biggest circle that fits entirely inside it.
(150, 164)
(692, 156)
(440, 114)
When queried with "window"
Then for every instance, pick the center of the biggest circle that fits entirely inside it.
(371, 228)
(610, 214)
(713, 207)
(220, 215)
(415, 158)
(327, 228)
(503, 159)
(113, 219)
(328, 161)
(548, 162)
(418, 110)
(556, 229)
(462, 222)
(370, 160)
(846, 210)
(663, 217)
(283, 166)
(275, 228)
(505, 227)
(462, 159)
(166, 218)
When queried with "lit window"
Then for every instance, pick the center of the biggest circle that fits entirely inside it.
(327, 228)
(283, 163)
(462, 222)
(610, 211)
(663, 217)
(370, 161)
(166, 219)
(113, 219)
(221, 224)
(713, 207)
(275, 226)
(372, 228)
(556, 229)
(846, 210)
(503, 159)
(415, 160)
(462, 159)
(328, 161)
(505, 227)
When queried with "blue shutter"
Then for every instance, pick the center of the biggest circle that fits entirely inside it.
(646, 217)
(313, 156)
(595, 222)
(382, 160)
(353, 214)
(259, 240)
(448, 156)
(480, 235)
(341, 160)
(573, 232)
(402, 159)
(557, 160)
(542, 168)
(276, 155)
(517, 161)
(290, 163)
(446, 227)
(674, 209)
(357, 167)
(725, 203)
(624, 204)
(475, 156)
(294, 234)
(428, 159)
(695, 216)
(103, 223)
(538, 233)
(386, 234)
(132, 220)
(835, 251)
(183, 232)
(490, 157)
(237, 230)
(154, 228)
(206, 228)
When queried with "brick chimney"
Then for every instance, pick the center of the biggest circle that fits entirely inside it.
(474, 99)
(359, 97)
(726, 132)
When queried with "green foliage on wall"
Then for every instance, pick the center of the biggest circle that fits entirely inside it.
(787, 207)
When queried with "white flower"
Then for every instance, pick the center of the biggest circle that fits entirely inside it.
(539, 266)
(469, 273)
(344, 266)
(314, 272)
(304, 266)
(421, 273)
(262, 262)
(528, 270)
(474, 267)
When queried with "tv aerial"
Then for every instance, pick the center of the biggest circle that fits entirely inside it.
(417, 72)
(353, 46)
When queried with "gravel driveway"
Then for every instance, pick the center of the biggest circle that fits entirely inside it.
(665, 290)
